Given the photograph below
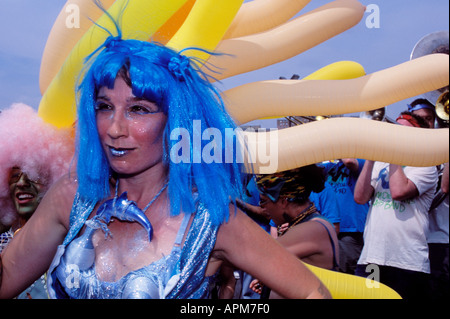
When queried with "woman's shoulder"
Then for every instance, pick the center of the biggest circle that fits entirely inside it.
(65, 186)
(313, 229)
(60, 196)
(238, 228)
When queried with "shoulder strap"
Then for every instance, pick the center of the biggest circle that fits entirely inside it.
(335, 263)
(182, 230)
(81, 209)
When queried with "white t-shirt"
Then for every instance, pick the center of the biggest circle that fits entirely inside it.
(396, 231)
(439, 223)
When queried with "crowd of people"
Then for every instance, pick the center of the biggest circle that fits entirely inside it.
(176, 234)
(385, 216)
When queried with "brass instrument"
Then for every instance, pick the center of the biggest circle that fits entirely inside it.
(376, 115)
(442, 107)
(436, 42)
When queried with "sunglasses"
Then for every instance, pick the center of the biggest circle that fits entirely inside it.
(16, 175)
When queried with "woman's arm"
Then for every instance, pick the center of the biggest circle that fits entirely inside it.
(351, 163)
(32, 249)
(445, 179)
(255, 212)
(245, 245)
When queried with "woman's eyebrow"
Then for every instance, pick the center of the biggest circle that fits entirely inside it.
(103, 97)
(136, 99)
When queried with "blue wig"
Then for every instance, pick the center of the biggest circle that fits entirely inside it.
(184, 94)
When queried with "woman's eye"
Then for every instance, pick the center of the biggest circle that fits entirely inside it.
(101, 106)
(139, 109)
(142, 109)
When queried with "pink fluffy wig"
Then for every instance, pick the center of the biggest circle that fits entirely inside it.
(41, 151)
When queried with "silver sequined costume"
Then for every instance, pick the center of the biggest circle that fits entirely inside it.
(181, 274)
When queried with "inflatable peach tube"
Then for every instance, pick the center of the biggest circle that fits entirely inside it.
(332, 97)
(262, 15)
(314, 142)
(63, 37)
(263, 49)
(341, 70)
(140, 20)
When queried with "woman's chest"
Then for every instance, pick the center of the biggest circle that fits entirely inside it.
(128, 248)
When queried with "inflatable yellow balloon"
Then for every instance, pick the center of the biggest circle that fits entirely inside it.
(345, 286)
(171, 26)
(71, 24)
(140, 20)
(342, 70)
(205, 26)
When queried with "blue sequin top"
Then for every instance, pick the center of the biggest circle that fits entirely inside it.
(181, 274)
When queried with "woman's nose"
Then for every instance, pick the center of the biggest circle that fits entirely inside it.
(118, 126)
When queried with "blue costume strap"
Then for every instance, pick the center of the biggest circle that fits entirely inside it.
(200, 242)
(182, 230)
(81, 209)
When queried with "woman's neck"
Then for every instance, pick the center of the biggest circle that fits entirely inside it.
(142, 187)
(295, 210)
(297, 216)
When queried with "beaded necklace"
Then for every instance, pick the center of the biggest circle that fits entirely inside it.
(303, 214)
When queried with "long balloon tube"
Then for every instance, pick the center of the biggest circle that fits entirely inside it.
(262, 15)
(341, 70)
(288, 40)
(314, 142)
(332, 97)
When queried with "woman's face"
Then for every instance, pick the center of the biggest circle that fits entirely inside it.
(273, 209)
(26, 194)
(130, 129)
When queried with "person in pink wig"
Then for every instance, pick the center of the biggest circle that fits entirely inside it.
(33, 154)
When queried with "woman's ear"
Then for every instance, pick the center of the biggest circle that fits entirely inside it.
(283, 202)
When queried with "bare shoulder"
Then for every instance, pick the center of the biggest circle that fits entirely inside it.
(312, 231)
(237, 223)
(239, 233)
(59, 199)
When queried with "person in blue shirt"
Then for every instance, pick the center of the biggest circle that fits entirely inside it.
(342, 176)
(326, 202)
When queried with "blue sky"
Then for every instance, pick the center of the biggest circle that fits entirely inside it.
(25, 25)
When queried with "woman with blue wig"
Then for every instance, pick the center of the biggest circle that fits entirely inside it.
(143, 217)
